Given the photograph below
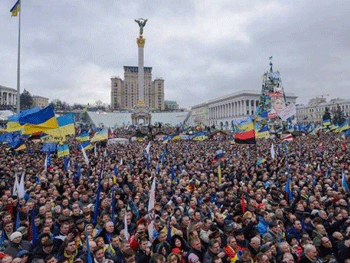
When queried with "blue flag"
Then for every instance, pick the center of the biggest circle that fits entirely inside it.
(113, 206)
(344, 183)
(66, 163)
(289, 190)
(18, 222)
(88, 251)
(33, 229)
(97, 200)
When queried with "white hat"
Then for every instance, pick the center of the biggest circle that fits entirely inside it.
(15, 235)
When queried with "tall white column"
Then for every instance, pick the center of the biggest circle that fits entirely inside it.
(141, 75)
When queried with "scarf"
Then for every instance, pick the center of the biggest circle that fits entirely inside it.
(71, 257)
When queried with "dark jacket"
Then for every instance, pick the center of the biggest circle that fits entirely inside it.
(13, 248)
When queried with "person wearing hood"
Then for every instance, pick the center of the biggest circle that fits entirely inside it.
(17, 244)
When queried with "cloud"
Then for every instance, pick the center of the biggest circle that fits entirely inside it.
(203, 49)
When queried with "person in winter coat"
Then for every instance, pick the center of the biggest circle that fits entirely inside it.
(17, 244)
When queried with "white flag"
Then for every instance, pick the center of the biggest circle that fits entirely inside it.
(121, 162)
(126, 232)
(85, 156)
(15, 187)
(21, 191)
(272, 152)
(147, 148)
(150, 207)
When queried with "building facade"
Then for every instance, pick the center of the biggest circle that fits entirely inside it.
(170, 105)
(124, 93)
(224, 109)
(8, 97)
(315, 109)
(40, 102)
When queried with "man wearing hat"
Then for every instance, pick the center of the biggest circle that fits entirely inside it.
(17, 244)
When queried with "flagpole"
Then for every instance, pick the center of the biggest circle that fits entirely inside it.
(18, 61)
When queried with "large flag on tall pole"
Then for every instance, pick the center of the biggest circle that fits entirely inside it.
(15, 11)
(20, 190)
(272, 150)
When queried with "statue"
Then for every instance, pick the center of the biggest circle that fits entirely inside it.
(142, 22)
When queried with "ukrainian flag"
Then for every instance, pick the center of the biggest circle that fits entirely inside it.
(62, 150)
(264, 132)
(83, 137)
(13, 121)
(15, 9)
(344, 126)
(326, 122)
(20, 147)
(39, 121)
(86, 145)
(246, 124)
(100, 136)
(66, 126)
(176, 137)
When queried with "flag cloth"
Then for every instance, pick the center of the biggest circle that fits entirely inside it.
(34, 233)
(219, 174)
(86, 145)
(126, 231)
(260, 161)
(66, 127)
(263, 132)
(344, 183)
(13, 121)
(286, 137)
(245, 137)
(47, 163)
(97, 197)
(18, 221)
(150, 208)
(39, 121)
(21, 190)
(63, 150)
(100, 136)
(21, 147)
(344, 126)
(89, 257)
(15, 9)
(15, 186)
(85, 156)
(289, 189)
(49, 147)
(113, 206)
(272, 151)
(83, 137)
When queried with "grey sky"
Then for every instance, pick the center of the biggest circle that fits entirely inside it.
(203, 49)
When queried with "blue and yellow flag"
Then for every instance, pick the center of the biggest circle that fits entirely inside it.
(86, 145)
(39, 121)
(344, 126)
(66, 127)
(264, 132)
(63, 150)
(13, 121)
(83, 137)
(100, 136)
(20, 147)
(15, 9)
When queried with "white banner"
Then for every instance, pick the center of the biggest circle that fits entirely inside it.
(288, 112)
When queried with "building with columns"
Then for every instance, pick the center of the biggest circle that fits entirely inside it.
(8, 96)
(224, 109)
(316, 107)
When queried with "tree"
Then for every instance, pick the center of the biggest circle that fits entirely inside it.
(338, 116)
(26, 100)
(326, 115)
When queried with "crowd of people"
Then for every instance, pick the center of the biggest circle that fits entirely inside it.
(290, 207)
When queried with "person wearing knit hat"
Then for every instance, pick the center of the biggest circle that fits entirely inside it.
(17, 244)
(16, 237)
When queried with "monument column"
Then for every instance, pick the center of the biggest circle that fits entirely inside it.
(141, 75)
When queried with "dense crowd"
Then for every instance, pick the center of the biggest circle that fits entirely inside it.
(248, 215)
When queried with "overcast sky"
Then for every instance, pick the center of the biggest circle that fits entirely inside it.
(203, 49)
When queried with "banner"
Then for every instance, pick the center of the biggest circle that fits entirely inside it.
(288, 112)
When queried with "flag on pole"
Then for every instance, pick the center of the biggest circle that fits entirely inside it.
(89, 257)
(289, 189)
(344, 183)
(150, 208)
(18, 222)
(20, 190)
(15, 186)
(219, 174)
(97, 200)
(47, 164)
(85, 156)
(15, 9)
(34, 233)
(272, 151)
(126, 231)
